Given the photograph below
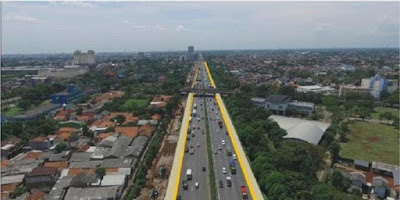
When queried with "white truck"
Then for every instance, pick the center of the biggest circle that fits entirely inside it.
(189, 174)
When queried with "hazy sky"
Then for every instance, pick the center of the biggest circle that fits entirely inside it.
(54, 26)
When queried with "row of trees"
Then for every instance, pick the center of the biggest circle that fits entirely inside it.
(285, 169)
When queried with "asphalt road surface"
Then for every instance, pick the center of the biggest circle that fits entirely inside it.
(199, 159)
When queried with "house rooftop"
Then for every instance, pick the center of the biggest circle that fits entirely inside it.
(277, 99)
(91, 193)
(41, 171)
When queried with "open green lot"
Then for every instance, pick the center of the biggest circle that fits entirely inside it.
(381, 110)
(140, 102)
(13, 111)
(372, 142)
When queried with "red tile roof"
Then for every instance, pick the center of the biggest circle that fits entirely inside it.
(128, 131)
(156, 116)
(58, 165)
(33, 155)
(7, 189)
(36, 195)
(41, 171)
(39, 139)
(146, 130)
(11, 140)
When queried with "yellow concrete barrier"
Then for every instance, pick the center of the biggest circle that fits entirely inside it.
(209, 75)
(195, 74)
(251, 181)
(174, 177)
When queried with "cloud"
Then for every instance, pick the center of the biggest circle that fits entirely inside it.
(323, 27)
(180, 28)
(21, 18)
(81, 4)
(148, 27)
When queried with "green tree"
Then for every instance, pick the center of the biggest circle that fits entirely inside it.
(79, 111)
(339, 181)
(61, 147)
(335, 149)
(100, 172)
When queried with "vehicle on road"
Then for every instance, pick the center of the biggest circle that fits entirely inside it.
(198, 119)
(234, 156)
(189, 174)
(186, 149)
(191, 151)
(185, 185)
(193, 135)
(198, 144)
(204, 169)
(232, 167)
(219, 147)
(215, 151)
(226, 133)
(221, 184)
(243, 191)
(223, 142)
(188, 138)
(228, 181)
(223, 170)
(228, 151)
(196, 185)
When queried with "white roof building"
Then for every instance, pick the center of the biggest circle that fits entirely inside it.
(306, 130)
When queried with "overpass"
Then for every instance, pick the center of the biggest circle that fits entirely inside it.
(206, 92)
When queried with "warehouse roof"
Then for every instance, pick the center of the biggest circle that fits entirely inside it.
(276, 99)
(306, 130)
(114, 179)
(12, 179)
(91, 193)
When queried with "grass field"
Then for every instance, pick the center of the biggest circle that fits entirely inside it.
(380, 110)
(372, 142)
(13, 111)
(140, 102)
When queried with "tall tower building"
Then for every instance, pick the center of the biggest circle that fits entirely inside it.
(84, 58)
(191, 52)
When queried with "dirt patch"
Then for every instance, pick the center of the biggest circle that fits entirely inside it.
(373, 139)
(165, 159)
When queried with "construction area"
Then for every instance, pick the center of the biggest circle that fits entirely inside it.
(157, 176)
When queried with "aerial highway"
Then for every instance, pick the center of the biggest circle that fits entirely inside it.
(190, 178)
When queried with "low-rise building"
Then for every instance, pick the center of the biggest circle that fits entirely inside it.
(40, 143)
(108, 193)
(302, 107)
(11, 147)
(278, 103)
(41, 177)
(316, 89)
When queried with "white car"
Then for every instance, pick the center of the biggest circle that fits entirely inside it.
(223, 142)
(224, 170)
(234, 156)
(196, 185)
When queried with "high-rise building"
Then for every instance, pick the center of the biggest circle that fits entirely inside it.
(191, 52)
(81, 58)
(379, 84)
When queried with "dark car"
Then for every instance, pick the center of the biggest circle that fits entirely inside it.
(204, 169)
(221, 184)
(187, 149)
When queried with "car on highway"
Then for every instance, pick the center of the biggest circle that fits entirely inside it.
(228, 181)
(223, 170)
(221, 184)
(215, 151)
(219, 147)
(185, 185)
(198, 144)
(196, 185)
(204, 169)
(193, 134)
(186, 149)
(223, 142)
(234, 157)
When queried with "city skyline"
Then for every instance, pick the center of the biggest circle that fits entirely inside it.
(62, 27)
